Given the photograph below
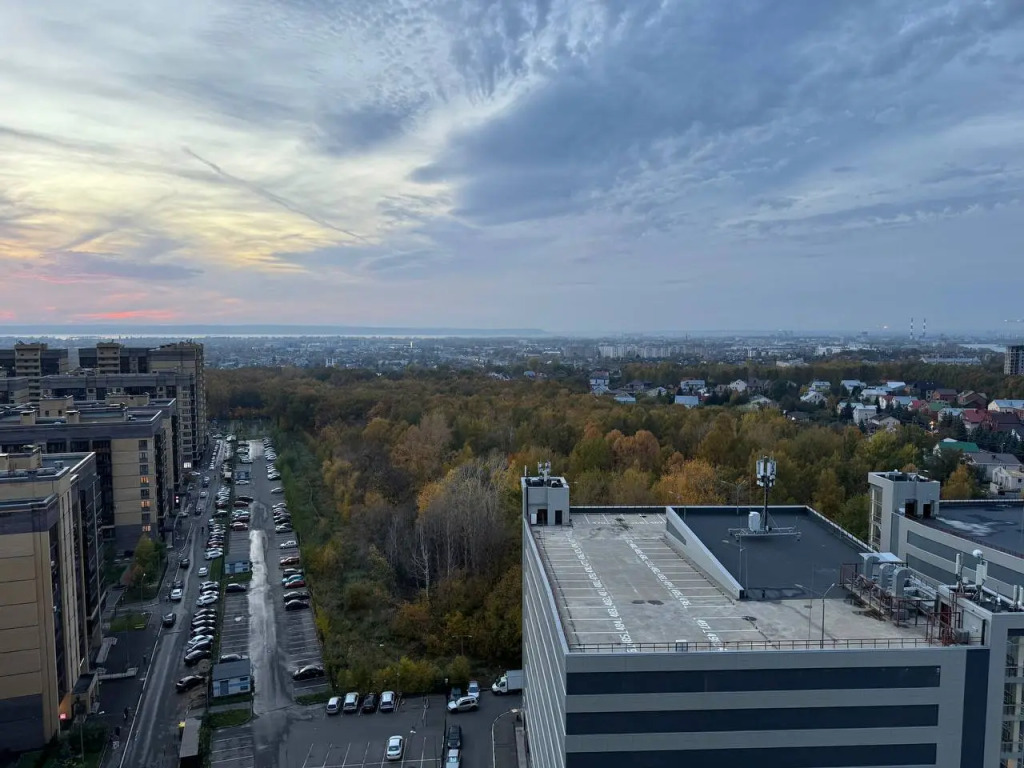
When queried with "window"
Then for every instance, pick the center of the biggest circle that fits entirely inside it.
(143, 445)
(143, 469)
(143, 456)
(145, 517)
(144, 493)
(144, 480)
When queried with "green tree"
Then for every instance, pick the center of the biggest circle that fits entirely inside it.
(829, 495)
(146, 559)
(962, 484)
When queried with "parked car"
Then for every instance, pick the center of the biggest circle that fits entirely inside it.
(291, 572)
(194, 657)
(169, 619)
(295, 605)
(296, 595)
(351, 702)
(198, 639)
(370, 703)
(289, 544)
(235, 588)
(177, 593)
(295, 583)
(454, 740)
(184, 562)
(334, 705)
(239, 526)
(277, 490)
(290, 560)
(454, 759)
(308, 672)
(203, 571)
(463, 704)
(213, 554)
(189, 682)
(395, 749)
(387, 701)
(231, 657)
(473, 689)
(283, 529)
(207, 599)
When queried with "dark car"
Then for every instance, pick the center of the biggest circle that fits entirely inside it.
(303, 595)
(296, 605)
(178, 584)
(184, 563)
(308, 672)
(194, 657)
(235, 588)
(169, 619)
(189, 682)
(202, 645)
(454, 737)
(370, 703)
(245, 499)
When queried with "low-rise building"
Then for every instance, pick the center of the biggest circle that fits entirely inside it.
(986, 463)
(687, 401)
(230, 678)
(1006, 481)
(14, 390)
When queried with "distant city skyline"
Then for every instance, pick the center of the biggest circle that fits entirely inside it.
(570, 165)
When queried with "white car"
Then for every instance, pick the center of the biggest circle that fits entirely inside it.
(200, 639)
(203, 494)
(209, 599)
(279, 489)
(208, 584)
(204, 571)
(213, 554)
(177, 593)
(396, 746)
(289, 544)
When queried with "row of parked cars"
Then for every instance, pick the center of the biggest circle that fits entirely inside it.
(353, 702)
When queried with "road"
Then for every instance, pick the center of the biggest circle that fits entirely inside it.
(153, 738)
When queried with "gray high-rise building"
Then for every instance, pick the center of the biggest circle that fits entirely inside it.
(1013, 364)
(769, 637)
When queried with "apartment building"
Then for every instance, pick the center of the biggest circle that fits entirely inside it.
(1013, 363)
(85, 385)
(33, 361)
(186, 357)
(14, 390)
(718, 636)
(50, 592)
(134, 447)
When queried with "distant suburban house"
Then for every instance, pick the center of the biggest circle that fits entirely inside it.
(738, 386)
(896, 401)
(871, 394)
(1006, 406)
(1005, 480)
(987, 462)
(862, 413)
(944, 393)
(895, 386)
(625, 398)
(231, 677)
(798, 416)
(820, 385)
(851, 384)
(692, 386)
(599, 381)
(813, 398)
(760, 401)
(973, 418)
(655, 392)
(637, 386)
(759, 385)
(949, 444)
(1000, 421)
(972, 399)
(883, 421)
(687, 401)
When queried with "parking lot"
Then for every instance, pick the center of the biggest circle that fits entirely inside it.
(232, 748)
(359, 740)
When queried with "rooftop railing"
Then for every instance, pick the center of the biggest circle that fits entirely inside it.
(758, 645)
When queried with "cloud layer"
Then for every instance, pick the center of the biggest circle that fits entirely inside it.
(567, 164)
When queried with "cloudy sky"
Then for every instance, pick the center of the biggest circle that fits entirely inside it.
(558, 164)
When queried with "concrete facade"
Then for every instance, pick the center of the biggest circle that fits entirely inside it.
(49, 592)
(14, 390)
(642, 648)
(32, 362)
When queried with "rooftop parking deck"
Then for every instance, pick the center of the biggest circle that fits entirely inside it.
(620, 586)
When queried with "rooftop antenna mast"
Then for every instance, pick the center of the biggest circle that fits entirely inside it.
(544, 469)
(762, 525)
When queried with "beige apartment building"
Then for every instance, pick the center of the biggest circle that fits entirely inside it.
(14, 390)
(49, 592)
(134, 446)
(128, 388)
(186, 358)
(32, 362)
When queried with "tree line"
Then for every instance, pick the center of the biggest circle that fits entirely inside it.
(404, 490)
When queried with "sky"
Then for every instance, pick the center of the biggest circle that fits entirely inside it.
(571, 165)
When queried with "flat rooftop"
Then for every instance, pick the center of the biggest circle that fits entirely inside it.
(996, 524)
(775, 568)
(619, 586)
